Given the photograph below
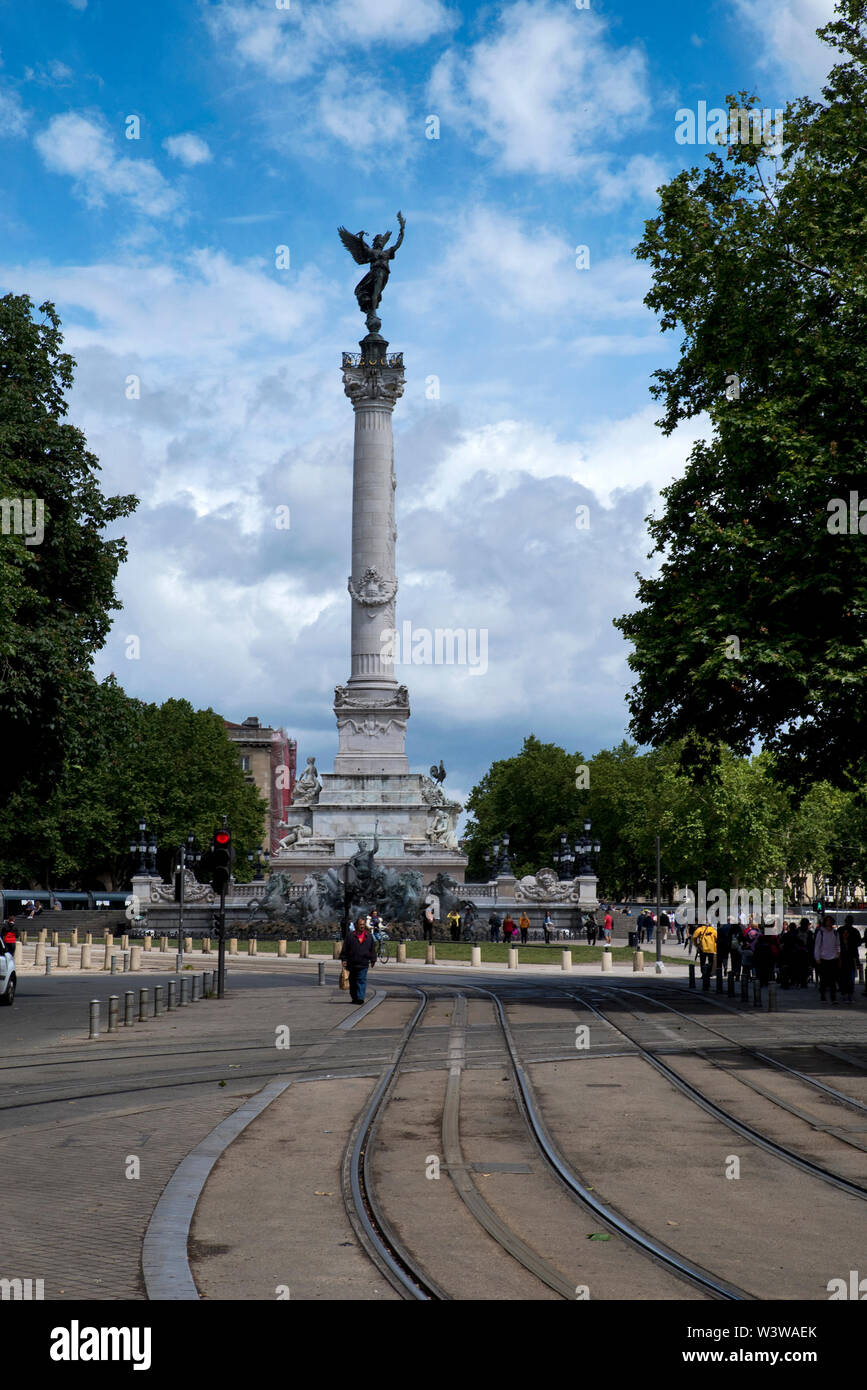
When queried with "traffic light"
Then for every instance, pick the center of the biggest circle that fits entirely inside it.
(222, 859)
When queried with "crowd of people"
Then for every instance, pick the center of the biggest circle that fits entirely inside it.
(796, 956)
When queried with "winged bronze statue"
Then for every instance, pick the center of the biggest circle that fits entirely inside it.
(368, 291)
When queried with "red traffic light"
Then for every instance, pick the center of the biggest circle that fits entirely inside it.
(222, 837)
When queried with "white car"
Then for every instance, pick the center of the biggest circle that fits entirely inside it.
(8, 978)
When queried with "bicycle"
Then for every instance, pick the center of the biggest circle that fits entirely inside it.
(382, 939)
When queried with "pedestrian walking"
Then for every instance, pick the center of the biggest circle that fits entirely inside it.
(524, 924)
(826, 954)
(547, 926)
(608, 926)
(494, 927)
(454, 921)
(850, 940)
(509, 928)
(591, 930)
(358, 955)
(704, 940)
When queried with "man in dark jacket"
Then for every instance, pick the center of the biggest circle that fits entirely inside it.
(358, 954)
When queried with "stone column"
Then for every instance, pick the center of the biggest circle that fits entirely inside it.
(372, 708)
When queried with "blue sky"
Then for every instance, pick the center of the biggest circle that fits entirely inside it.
(261, 126)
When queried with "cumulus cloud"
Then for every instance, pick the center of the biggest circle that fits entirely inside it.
(189, 149)
(543, 90)
(81, 146)
(13, 117)
(787, 35)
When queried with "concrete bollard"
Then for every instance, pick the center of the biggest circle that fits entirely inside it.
(63, 956)
(401, 953)
(772, 996)
(637, 962)
(173, 995)
(430, 954)
(565, 960)
(23, 937)
(253, 947)
(303, 950)
(164, 943)
(49, 965)
(135, 957)
(43, 934)
(148, 941)
(85, 956)
(88, 938)
(475, 955)
(55, 939)
(185, 991)
(512, 963)
(94, 1019)
(128, 1008)
(607, 961)
(108, 938)
(321, 966)
(124, 942)
(233, 945)
(188, 945)
(335, 950)
(40, 953)
(206, 945)
(158, 1000)
(281, 946)
(113, 1013)
(19, 956)
(73, 940)
(143, 1006)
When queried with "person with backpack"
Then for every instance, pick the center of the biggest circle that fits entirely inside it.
(826, 955)
(704, 940)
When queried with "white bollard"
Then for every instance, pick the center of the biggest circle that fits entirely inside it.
(233, 945)
(565, 960)
(281, 946)
(40, 953)
(85, 956)
(19, 955)
(135, 958)
(148, 941)
(164, 943)
(206, 945)
(401, 953)
(637, 962)
(513, 958)
(475, 955)
(607, 961)
(62, 956)
(188, 945)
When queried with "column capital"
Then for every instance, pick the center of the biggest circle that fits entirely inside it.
(373, 384)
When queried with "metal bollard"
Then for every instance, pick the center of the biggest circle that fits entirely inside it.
(128, 1008)
(719, 979)
(158, 1000)
(772, 996)
(757, 995)
(745, 989)
(731, 983)
(321, 966)
(113, 1013)
(48, 965)
(173, 995)
(691, 969)
(207, 982)
(195, 990)
(185, 991)
(705, 975)
(94, 1018)
(142, 1006)
(114, 961)
(125, 961)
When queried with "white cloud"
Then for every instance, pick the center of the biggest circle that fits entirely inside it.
(546, 91)
(189, 149)
(81, 146)
(361, 114)
(13, 117)
(288, 44)
(788, 37)
(639, 177)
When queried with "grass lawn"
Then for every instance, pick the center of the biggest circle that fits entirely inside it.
(582, 954)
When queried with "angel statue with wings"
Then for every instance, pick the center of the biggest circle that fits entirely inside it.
(368, 291)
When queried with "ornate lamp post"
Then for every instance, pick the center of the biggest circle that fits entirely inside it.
(584, 847)
(564, 860)
(259, 860)
(139, 847)
(506, 865)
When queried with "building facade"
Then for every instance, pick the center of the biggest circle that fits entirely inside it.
(268, 759)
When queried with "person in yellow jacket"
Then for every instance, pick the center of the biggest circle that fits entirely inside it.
(704, 940)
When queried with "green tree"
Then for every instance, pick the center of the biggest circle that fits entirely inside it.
(56, 595)
(757, 613)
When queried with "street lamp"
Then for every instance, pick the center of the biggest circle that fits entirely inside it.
(563, 859)
(585, 845)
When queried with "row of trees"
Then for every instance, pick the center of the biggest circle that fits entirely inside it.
(741, 828)
(124, 759)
